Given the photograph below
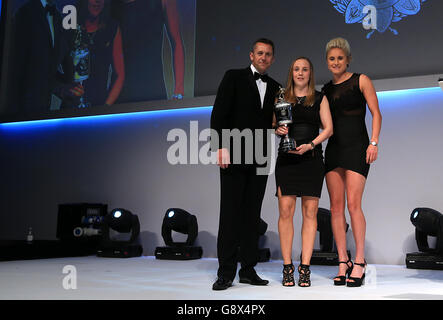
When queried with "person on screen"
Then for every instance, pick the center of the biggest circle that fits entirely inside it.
(103, 38)
(42, 72)
(244, 101)
(143, 23)
(300, 173)
(348, 154)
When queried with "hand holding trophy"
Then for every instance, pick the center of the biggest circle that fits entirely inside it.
(283, 114)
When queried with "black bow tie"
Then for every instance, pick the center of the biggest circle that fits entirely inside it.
(263, 77)
(50, 8)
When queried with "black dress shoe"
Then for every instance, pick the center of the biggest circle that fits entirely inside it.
(221, 284)
(254, 280)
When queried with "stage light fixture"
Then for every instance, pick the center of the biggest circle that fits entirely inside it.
(121, 221)
(324, 228)
(117, 214)
(179, 220)
(427, 222)
(327, 255)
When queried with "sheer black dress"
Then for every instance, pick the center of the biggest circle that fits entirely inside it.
(302, 175)
(346, 148)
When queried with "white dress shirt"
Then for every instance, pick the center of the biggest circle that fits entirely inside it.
(261, 85)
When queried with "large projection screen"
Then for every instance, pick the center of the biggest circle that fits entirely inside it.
(146, 53)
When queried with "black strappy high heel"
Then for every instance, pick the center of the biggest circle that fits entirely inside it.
(357, 282)
(304, 279)
(288, 275)
(342, 279)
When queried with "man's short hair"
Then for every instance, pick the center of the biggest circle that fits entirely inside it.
(266, 41)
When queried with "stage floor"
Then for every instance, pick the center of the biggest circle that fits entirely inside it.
(150, 279)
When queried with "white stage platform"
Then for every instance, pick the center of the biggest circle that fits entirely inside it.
(146, 278)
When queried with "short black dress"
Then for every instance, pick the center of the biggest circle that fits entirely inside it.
(302, 175)
(347, 147)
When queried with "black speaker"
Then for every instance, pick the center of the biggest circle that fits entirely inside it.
(80, 222)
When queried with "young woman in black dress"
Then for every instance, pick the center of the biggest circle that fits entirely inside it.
(348, 154)
(300, 173)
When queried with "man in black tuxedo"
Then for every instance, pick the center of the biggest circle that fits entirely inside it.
(43, 68)
(245, 101)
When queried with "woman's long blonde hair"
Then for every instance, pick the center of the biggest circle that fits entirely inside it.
(290, 85)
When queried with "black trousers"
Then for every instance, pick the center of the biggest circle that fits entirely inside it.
(242, 192)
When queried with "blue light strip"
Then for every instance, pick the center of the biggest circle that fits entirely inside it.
(171, 112)
(408, 91)
(108, 117)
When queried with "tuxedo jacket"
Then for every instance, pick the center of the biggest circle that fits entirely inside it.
(36, 60)
(238, 106)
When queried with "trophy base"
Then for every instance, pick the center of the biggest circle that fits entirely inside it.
(84, 105)
(287, 145)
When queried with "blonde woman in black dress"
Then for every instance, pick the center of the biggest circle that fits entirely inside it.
(348, 155)
(300, 173)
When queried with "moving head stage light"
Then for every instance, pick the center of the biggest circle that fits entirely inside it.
(181, 221)
(122, 221)
(327, 255)
(427, 222)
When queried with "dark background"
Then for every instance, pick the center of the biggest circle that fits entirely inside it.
(226, 29)
(2, 32)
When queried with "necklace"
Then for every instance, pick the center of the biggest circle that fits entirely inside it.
(94, 27)
(300, 100)
(91, 36)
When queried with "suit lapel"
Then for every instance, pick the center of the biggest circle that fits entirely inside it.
(269, 95)
(57, 23)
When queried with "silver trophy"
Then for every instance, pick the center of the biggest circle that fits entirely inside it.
(80, 57)
(283, 114)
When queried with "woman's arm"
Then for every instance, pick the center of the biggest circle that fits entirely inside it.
(368, 90)
(119, 68)
(173, 30)
(326, 122)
